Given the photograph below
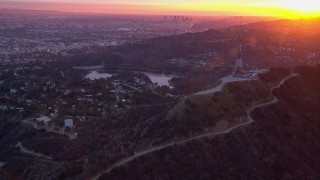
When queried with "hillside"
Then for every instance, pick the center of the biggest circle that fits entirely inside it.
(282, 143)
(262, 149)
(256, 128)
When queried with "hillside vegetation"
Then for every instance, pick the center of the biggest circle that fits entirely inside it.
(282, 143)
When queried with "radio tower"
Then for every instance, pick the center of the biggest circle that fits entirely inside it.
(239, 62)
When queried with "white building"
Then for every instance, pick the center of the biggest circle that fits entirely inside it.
(68, 123)
(44, 119)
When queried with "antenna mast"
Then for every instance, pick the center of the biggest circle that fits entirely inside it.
(239, 62)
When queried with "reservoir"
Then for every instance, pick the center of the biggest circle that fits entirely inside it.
(161, 79)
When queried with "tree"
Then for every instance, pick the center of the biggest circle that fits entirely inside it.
(67, 129)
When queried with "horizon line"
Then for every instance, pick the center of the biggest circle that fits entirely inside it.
(149, 9)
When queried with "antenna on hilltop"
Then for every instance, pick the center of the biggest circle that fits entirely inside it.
(239, 62)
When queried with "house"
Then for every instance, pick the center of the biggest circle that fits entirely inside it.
(29, 101)
(13, 91)
(68, 123)
(44, 119)
(53, 115)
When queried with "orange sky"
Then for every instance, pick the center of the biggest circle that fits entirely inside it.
(278, 8)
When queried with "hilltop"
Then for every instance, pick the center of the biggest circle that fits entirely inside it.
(281, 143)
(259, 128)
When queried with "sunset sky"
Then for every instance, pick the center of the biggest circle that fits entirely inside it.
(281, 8)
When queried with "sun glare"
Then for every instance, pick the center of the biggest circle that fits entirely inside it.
(299, 7)
(305, 6)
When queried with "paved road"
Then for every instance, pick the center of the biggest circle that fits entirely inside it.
(89, 67)
(151, 105)
(2, 164)
(30, 152)
(225, 80)
(250, 120)
(230, 78)
(132, 87)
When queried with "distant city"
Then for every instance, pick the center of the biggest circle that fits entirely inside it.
(103, 96)
(37, 35)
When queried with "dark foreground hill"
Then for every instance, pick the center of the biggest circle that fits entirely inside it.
(282, 143)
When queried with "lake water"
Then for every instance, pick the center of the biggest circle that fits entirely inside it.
(97, 75)
(161, 79)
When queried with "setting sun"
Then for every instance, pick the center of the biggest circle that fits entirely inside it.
(306, 6)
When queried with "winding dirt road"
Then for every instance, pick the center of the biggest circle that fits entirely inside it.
(250, 120)
(30, 152)
(274, 99)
